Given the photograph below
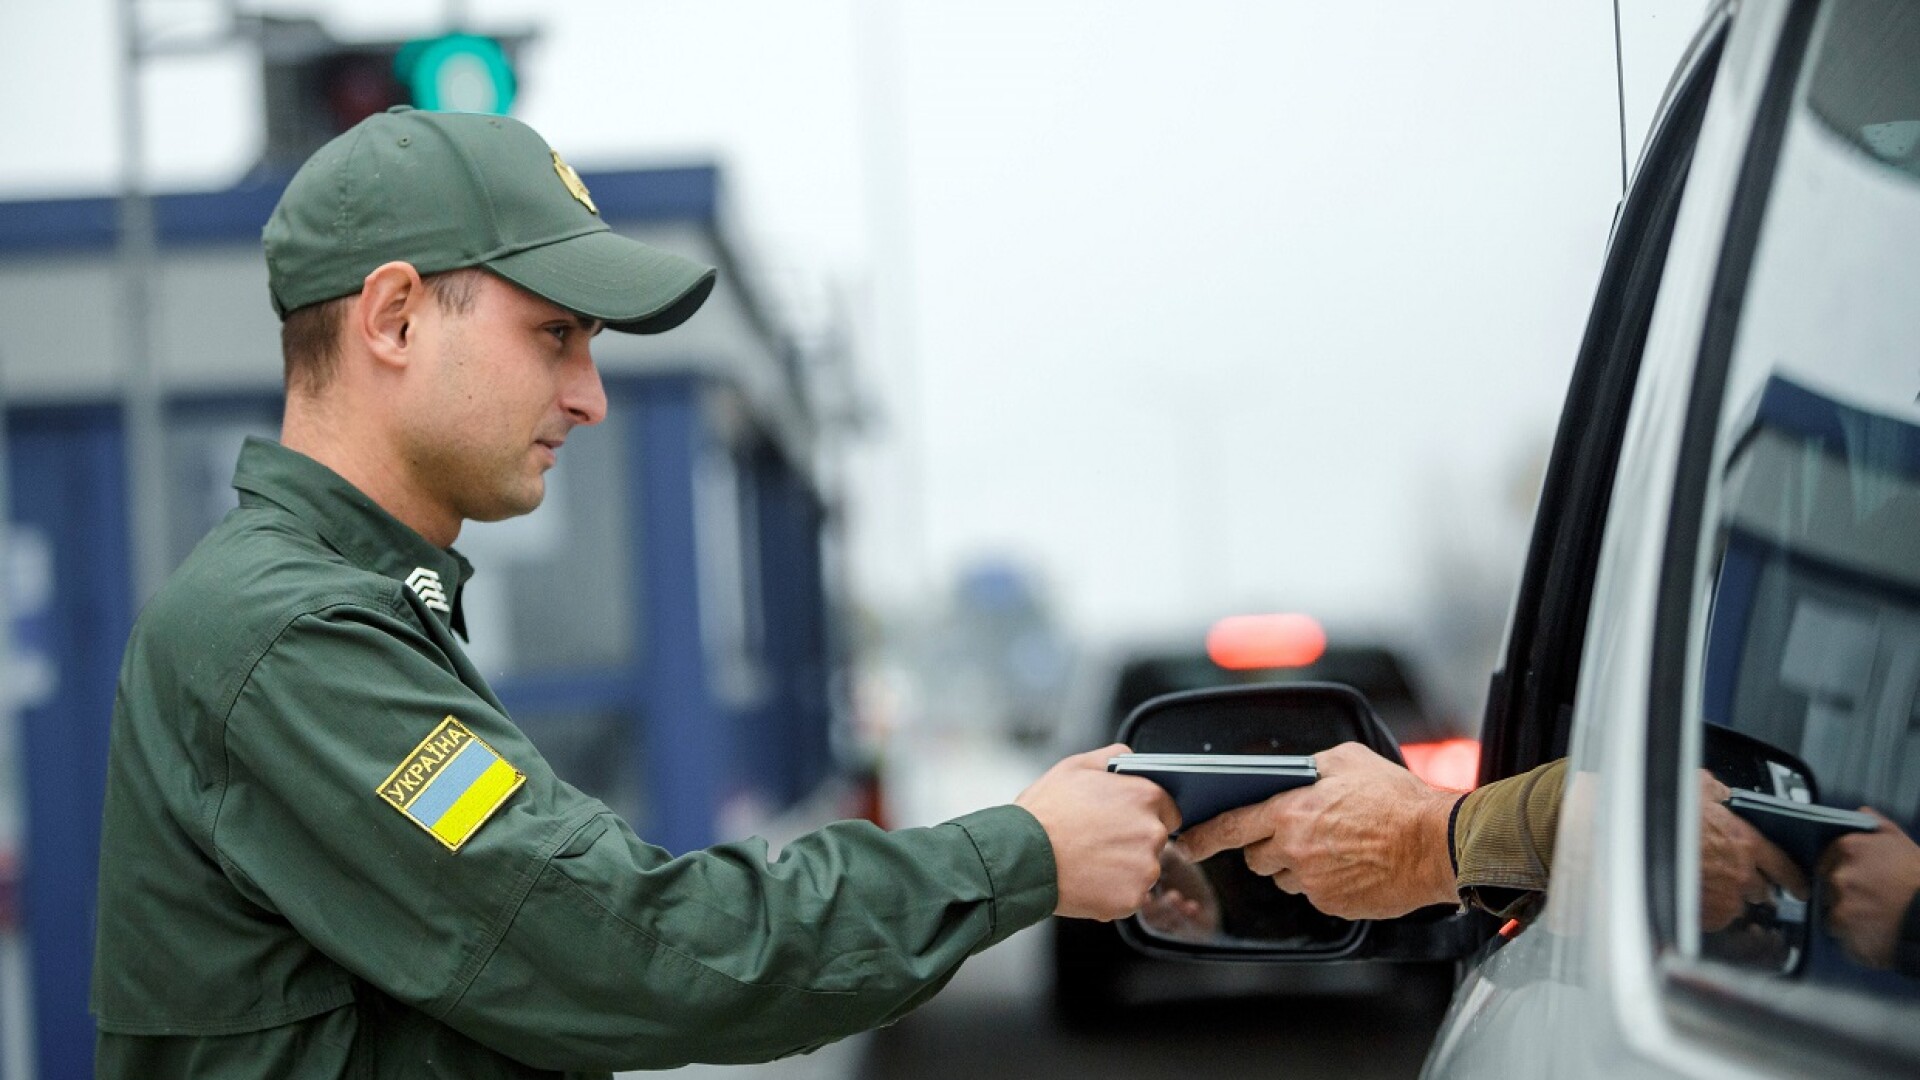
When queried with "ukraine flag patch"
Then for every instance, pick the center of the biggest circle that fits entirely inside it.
(451, 784)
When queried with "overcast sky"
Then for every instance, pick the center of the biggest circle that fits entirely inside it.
(1191, 308)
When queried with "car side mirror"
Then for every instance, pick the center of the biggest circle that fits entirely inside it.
(1217, 909)
(1743, 762)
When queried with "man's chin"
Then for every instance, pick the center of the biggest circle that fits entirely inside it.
(517, 504)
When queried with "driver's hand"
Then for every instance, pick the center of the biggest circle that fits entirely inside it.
(1738, 866)
(1368, 840)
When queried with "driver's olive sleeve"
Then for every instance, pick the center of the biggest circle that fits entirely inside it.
(1503, 836)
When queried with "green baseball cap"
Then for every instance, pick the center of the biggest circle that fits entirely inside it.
(446, 191)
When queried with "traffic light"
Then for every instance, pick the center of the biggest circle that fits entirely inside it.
(317, 86)
(457, 73)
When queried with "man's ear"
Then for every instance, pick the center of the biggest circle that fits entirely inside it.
(387, 311)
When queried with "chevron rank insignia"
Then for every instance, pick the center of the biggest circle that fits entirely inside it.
(451, 784)
(426, 585)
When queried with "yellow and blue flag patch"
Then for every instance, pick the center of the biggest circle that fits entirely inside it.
(451, 784)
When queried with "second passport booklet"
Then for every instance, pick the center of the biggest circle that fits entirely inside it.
(1802, 830)
(1207, 785)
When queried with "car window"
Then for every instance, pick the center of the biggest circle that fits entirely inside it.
(1804, 597)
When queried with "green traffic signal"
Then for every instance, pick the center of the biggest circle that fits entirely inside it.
(457, 73)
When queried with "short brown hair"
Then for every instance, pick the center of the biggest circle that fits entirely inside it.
(310, 336)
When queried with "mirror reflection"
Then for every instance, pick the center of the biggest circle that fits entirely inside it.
(1217, 903)
(1810, 585)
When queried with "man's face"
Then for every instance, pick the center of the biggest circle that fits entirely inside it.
(504, 383)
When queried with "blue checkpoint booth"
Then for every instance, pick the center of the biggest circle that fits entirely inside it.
(661, 627)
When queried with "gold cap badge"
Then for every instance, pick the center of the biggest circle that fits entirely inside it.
(574, 187)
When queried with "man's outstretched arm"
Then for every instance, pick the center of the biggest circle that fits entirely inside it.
(558, 937)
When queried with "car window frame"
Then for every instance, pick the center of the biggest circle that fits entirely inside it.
(1733, 1011)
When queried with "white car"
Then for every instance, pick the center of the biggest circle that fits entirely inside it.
(1726, 554)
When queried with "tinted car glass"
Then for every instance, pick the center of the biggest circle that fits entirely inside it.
(1863, 86)
(1809, 597)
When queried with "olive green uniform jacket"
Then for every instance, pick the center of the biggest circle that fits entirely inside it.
(267, 911)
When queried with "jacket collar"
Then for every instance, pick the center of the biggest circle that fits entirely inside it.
(353, 525)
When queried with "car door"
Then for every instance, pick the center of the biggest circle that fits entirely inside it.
(1730, 542)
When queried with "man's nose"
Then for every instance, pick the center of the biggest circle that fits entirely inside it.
(581, 394)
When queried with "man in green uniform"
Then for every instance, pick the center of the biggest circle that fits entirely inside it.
(327, 850)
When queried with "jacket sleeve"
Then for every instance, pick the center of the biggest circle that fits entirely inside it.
(721, 956)
(1502, 837)
(554, 934)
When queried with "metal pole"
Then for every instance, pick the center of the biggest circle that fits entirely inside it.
(141, 385)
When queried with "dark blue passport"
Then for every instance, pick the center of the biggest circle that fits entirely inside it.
(1207, 785)
(1802, 830)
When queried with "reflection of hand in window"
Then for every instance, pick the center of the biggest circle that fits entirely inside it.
(1872, 881)
(1738, 866)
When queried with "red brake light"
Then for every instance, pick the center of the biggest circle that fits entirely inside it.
(1453, 764)
(1252, 642)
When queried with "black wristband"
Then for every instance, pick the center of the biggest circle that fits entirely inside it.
(1453, 858)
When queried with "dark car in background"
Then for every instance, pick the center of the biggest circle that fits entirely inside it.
(1096, 975)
